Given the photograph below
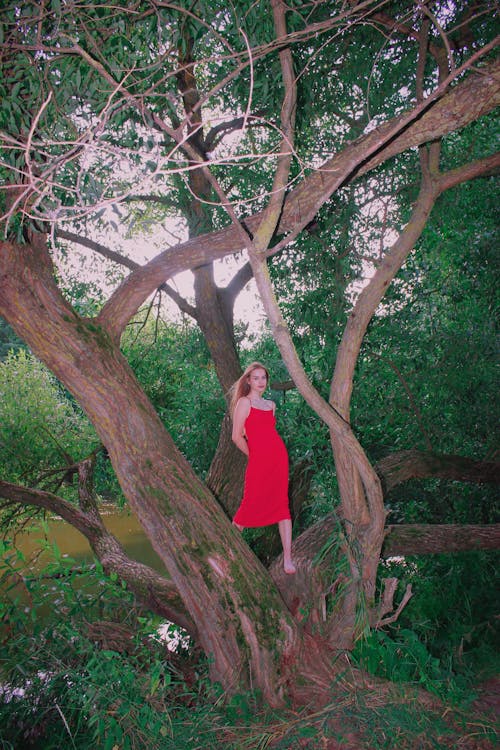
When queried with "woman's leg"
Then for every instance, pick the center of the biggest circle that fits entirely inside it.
(285, 528)
(238, 526)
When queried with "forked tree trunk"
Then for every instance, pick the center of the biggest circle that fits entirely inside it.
(243, 624)
(364, 517)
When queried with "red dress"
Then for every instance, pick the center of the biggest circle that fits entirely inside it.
(265, 497)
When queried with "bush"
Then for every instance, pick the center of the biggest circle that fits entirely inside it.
(79, 667)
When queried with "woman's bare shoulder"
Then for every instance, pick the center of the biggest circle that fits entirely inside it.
(243, 405)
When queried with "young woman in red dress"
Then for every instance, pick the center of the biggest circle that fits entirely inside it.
(265, 496)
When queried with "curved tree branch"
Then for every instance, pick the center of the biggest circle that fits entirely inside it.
(122, 260)
(103, 250)
(218, 132)
(151, 588)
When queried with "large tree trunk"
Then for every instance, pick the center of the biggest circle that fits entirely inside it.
(225, 475)
(224, 588)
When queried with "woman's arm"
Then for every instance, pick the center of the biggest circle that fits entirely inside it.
(241, 412)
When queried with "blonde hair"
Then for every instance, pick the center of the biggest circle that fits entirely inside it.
(242, 386)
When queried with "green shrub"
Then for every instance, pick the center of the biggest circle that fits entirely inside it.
(63, 683)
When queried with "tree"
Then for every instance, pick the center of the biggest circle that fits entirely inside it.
(88, 87)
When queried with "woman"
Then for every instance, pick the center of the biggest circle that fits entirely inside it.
(265, 497)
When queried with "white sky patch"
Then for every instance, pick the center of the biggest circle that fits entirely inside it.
(85, 265)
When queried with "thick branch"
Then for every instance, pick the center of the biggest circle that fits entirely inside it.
(317, 574)
(122, 260)
(405, 465)
(486, 167)
(271, 215)
(370, 297)
(426, 539)
(235, 286)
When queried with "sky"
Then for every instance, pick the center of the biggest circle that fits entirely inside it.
(90, 267)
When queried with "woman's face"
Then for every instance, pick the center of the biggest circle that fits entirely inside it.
(257, 380)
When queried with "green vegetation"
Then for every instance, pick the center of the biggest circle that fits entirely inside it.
(83, 667)
(41, 427)
(173, 366)
(164, 130)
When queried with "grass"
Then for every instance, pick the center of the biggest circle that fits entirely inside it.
(363, 720)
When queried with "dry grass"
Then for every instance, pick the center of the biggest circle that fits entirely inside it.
(367, 719)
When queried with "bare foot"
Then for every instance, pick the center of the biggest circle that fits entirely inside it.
(289, 567)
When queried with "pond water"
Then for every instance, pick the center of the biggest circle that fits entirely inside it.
(35, 542)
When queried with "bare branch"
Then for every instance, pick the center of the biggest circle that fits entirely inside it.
(218, 132)
(180, 301)
(387, 603)
(103, 250)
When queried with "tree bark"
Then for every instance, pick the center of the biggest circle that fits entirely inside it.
(321, 554)
(427, 539)
(405, 465)
(223, 587)
(213, 315)
(225, 477)
(477, 95)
